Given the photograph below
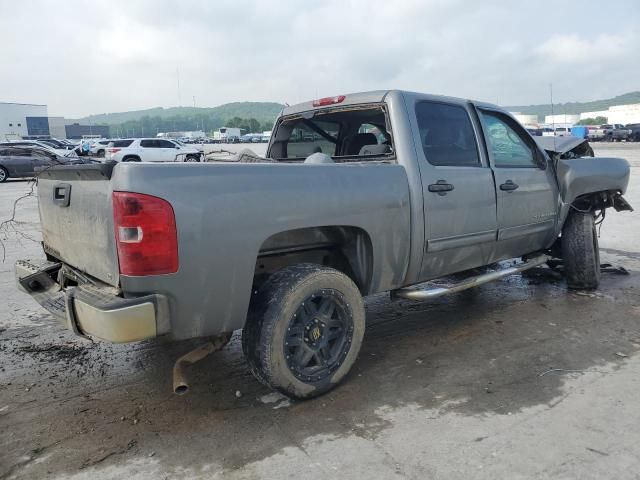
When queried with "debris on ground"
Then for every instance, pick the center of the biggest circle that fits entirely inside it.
(618, 270)
(104, 455)
(54, 352)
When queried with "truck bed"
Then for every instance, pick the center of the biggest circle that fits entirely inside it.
(225, 213)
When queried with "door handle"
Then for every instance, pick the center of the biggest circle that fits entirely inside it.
(441, 187)
(509, 186)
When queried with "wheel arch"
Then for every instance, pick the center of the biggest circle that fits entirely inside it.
(592, 202)
(346, 248)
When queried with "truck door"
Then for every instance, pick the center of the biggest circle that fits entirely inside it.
(526, 189)
(458, 190)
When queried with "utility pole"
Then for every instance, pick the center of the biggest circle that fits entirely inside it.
(178, 78)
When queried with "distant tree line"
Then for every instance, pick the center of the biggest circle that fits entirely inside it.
(593, 121)
(150, 126)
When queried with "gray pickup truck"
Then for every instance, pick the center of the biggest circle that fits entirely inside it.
(357, 194)
(610, 133)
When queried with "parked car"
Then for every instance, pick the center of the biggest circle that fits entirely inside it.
(57, 144)
(99, 148)
(152, 150)
(38, 143)
(285, 247)
(610, 133)
(20, 161)
(562, 131)
(634, 132)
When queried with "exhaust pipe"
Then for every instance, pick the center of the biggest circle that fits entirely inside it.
(180, 384)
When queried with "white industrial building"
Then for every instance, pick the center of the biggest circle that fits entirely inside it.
(21, 119)
(562, 119)
(57, 127)
(623, 114)
(528, 121)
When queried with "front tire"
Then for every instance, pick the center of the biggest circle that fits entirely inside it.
(4, 174)
(304, 330)
(580, 251)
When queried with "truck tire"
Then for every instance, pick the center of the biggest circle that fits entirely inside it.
(304, 330)
(580, 251)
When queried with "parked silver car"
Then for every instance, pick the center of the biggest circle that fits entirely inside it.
(20, 161)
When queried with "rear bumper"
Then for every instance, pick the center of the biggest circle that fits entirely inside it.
(94, 310)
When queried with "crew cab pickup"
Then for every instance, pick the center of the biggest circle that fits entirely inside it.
(610, 133)
(357, 194)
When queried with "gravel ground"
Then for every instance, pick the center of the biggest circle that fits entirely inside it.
(516, 379)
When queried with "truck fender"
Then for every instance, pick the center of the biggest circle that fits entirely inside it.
(581, 176)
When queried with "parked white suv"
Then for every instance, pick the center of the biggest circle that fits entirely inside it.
(99, 147)
(152, 150)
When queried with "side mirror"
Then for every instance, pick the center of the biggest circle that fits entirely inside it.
(177, 147)
(542, 160)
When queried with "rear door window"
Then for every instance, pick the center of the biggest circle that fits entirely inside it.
(122, 143)
(149, 143)
(446, 134)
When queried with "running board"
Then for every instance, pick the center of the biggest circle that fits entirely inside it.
(433, 292)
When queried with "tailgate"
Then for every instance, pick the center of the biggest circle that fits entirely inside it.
(77, 219)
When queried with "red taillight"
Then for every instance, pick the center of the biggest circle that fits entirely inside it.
(323, 102)
(146, 237)
(113, 150)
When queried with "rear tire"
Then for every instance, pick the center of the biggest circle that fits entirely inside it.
(304, 330)
(131, 159)
(4, 174)
(580, 251)
(100, 153)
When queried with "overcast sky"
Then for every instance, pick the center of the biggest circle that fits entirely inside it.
(106, 56)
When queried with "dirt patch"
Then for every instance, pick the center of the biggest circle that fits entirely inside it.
(56, 353)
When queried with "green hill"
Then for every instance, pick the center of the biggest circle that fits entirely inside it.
(576, 107)
(261, 111)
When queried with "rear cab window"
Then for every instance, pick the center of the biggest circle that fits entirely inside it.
(349, 134)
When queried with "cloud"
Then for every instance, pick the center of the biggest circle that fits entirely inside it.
(573, 49)
(102, 56)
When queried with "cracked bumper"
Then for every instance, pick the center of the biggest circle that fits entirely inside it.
(94, 310)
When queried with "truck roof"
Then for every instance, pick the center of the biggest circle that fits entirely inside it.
(374, 96)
